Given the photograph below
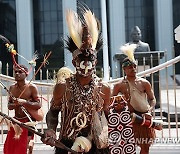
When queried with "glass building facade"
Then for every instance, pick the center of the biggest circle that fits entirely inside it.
(48, 25)
(48, 31)
(7, 29)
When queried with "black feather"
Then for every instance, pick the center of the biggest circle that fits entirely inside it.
(99, 44)
(70, 45)
(4, 39)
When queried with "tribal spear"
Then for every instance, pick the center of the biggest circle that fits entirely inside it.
(56, 142)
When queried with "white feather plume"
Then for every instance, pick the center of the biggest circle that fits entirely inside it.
(128, 50)
(92, 25)
(74, 27)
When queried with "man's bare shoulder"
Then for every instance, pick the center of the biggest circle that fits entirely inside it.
(32, 85)
(106, 88)
(12, 86)
(143, 81)
(105, 84)
(59, 90)
(121, 82)
(61, 85)
(119, 86)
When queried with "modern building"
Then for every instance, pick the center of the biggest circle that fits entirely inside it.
(40, 26)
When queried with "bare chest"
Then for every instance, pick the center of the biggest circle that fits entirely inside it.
(137, 85)
(24, 93)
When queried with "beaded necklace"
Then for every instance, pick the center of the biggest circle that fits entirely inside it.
(86, 99)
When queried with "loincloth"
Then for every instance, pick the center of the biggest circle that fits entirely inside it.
(143, 134)
(16, 146)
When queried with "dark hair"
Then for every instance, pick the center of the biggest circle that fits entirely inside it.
(127, 62)
(23, 67)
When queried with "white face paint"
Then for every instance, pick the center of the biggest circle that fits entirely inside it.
(88, 67)
(85, 68)
(82, 66)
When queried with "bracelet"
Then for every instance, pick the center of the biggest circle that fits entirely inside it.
(151, 123)
(143, 120)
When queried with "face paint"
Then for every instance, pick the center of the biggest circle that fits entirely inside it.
(20, 74)
(91, 57)
(85, 68)
(82, 66)
(89, 67)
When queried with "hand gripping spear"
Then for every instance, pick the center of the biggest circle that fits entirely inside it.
(56, 143)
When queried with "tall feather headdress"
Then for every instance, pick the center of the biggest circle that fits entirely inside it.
(92, 25)
(84, 34)
(74, 27)
(128, 50)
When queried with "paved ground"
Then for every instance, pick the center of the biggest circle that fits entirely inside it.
(170, 147)
(156, 149)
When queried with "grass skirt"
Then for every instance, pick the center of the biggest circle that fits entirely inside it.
(143, 135)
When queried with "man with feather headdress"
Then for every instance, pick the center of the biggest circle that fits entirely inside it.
(78, 96)
(23, 99)
(140, 98)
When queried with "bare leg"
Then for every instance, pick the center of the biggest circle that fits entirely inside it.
(30, 145)
(144, 149)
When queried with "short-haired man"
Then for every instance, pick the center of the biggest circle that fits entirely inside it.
(22, 95)
(137, 92)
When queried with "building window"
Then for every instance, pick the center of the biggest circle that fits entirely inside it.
(48, 32)
(7, 29)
